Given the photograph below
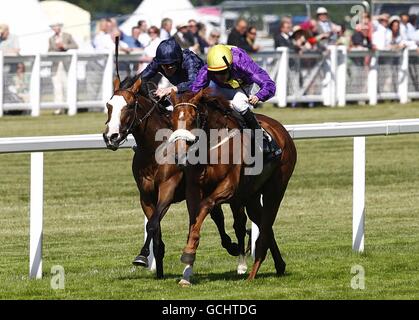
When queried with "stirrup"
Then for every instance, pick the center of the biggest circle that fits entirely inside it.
(269, 144)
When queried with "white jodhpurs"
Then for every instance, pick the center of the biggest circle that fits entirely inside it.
(239, 100)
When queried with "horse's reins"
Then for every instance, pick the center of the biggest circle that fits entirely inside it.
(135, 121)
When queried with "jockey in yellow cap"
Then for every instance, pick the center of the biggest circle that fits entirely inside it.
(231, 72)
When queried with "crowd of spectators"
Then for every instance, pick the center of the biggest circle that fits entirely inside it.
(383, 32)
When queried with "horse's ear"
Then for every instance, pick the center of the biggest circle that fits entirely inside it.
(136, 86)
(173, 97)
(197, 97)
(116, 83)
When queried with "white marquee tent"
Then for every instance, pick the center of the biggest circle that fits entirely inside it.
(75, 19)
(27, 20)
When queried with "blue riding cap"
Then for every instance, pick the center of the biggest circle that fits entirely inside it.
(168, 52)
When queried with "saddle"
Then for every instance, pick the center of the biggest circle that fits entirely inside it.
(267, 138)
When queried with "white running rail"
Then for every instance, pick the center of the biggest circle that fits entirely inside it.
(359, 130)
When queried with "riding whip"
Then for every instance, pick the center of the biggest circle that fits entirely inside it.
(116, 57)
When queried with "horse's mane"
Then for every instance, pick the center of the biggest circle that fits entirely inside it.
(128, 82)
(216, 103)
(208, 98)
(141, 95)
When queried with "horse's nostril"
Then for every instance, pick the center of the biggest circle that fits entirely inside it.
(113, 136)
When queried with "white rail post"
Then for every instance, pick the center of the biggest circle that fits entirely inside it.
(332, 75)
(358, 211)
(282, 79)
(36, 215)
(72, 85)
(403, 89)
(35, 87)
(373, 80)
(107, 83)
(151, 260)
(1, 83)
(255, 233)
(341, 75)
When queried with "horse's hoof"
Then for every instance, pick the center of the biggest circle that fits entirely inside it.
(184, 283)
(280, 270)
(233, 249)
(251, 277)
(187, 258)
(241, 269)
(140, 261)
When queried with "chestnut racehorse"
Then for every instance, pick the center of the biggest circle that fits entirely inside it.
(159, 185)
(210, 185)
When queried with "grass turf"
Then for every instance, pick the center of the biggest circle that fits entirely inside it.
(93, 225)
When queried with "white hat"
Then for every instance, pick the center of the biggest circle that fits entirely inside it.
(384, 16)
(394, 18)
(182, 25)
(56, 23)
(321, 10)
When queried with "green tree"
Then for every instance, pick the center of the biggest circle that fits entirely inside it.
(107, 7)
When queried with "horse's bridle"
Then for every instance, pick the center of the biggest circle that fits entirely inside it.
(135, 121)
(199, 114)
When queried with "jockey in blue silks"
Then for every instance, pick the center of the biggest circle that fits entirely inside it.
(179, 66)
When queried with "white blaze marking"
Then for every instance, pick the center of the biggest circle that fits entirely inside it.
(181, 123)
(117, 103)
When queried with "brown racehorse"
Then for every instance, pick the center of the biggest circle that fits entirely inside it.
(209, 185)
(159, 185)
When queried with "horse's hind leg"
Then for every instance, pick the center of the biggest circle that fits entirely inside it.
(256, 213)
(217, 216)
(273, 196)
(276, 255)
(273, 192)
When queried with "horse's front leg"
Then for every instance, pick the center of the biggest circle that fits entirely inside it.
(239, 226)
(223, 192)
(217, 216)
(166, 193)
(142, 258)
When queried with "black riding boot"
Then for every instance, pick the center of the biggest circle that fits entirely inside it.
(269, 146)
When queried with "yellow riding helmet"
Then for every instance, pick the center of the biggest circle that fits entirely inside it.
(215, 56)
